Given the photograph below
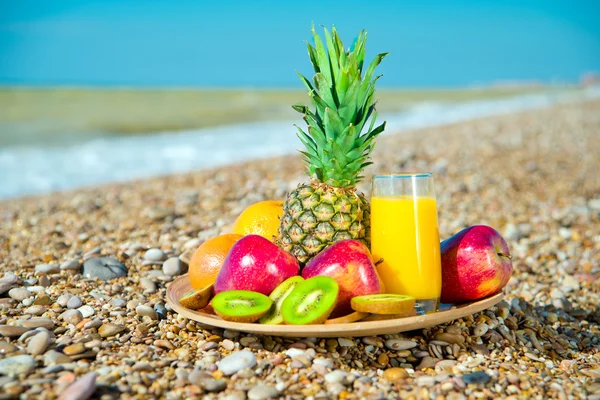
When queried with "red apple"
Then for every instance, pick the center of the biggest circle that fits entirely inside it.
(349, 262)
(256, 264)
(476, 263)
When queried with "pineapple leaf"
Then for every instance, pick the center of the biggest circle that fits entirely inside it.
(333, 124)
(322, 58)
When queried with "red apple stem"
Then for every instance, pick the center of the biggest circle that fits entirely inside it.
(379, 262)
(505, 255)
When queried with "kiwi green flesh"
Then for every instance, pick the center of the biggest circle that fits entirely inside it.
(197, 299)
(273, 316)
(383, 303)
(311, 301)
(241, 305)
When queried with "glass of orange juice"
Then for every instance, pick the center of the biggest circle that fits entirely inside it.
(405, 237)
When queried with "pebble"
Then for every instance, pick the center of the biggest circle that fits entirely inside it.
(74, 349)
(173, 266)
(82, 389)
(72, 317)
(161, 310)
(74, 302)
(16, 365)
(476, 377)
(398, 344)
(104, 268)
(107, 330)
(86, 311)
(427, 381)
(63, 299)
(427, 362)
(337, 376)
(12, 331)
(19, 294)
(47, 269)
(7, 282)
(35, 310)
(155, 255)
(148, 285)
(71, 265)
(39, 343)
(228, 344)
(262, 391)
(52, 357)
(393, 374)
(7, 348)
(237, 361)
(146, 311)
(325, 362)
(346, 342)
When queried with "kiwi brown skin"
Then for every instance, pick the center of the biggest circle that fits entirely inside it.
(306, 289)
(197, 299)
(347, 319)
(382, 317)
(387, 304)
(250, 315)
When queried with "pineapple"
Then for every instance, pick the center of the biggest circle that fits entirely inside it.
(338, 144)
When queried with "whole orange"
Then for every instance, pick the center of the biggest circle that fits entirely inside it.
(208, 259)
(260, 218)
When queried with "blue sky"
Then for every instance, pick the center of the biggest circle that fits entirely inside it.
(261, 43)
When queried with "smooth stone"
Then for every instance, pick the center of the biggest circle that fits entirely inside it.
(42, 300)
(118, 303)
(476, 377)
(71, 265)
(262, 391)
(325, 362)
(173, 266)
(6, 348)
(19, 294)
(35, 310)
(39, 343)
(17, 365)
(146, 311)
(12, 331)
(73, 349)
(428, 362)
(236, 362)
(107, 330)
(86, 311)
(337, 376)
(74, 302)
(52, 357)
(47, 269)
(72, 317)
(346, 342)
(155, 255)
(95, 323)
(393, 374)
(399, 344)
(63, 299)
(161, 310)
(8, 281)
(427, 381)
(104, 268)
(148, 285)
(82, 389)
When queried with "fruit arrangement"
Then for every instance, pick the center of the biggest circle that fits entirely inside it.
(306, 260)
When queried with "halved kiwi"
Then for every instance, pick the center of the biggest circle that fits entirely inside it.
(311, 301)
(241, 305)
(383, 303)
(197, 299)
(273, 317)
(346, 319)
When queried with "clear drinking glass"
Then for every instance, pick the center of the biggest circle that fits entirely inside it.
(405, 235)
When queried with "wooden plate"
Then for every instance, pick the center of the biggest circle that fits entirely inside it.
(449, 312)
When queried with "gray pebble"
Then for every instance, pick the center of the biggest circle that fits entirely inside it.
(39, 343)
(104, 268)
(63, 299)
(173, 266)
(19, 294)
(237, 361)
(71, 317)
(146, 311)
(399, 344)
(86, 311)
(82, 389)
(161, 310)
(74, 302)
(476, 377)
(427, 381)
(17, 365)
(71, 265)
(53, 357)
(155, 255)
(8, 281)
(148, 285)
(35, 310)
(47, 269)
(262, 391)
(337, 376)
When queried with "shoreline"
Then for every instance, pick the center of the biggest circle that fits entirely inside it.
(531, 175)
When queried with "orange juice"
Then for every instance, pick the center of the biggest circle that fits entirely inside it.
(404, 233)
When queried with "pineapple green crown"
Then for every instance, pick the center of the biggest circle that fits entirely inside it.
(337, 149)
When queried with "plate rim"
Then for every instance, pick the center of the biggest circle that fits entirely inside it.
(354, 329)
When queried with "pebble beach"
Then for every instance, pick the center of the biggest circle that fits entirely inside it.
(84, 274)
